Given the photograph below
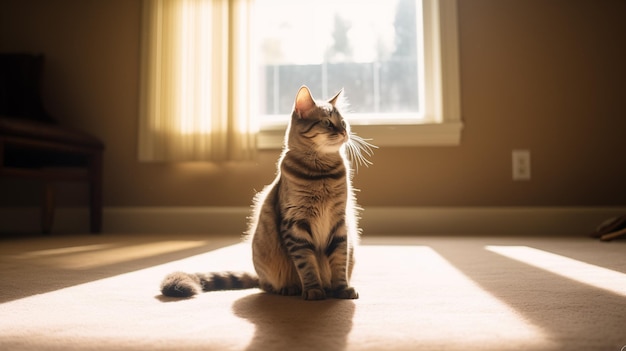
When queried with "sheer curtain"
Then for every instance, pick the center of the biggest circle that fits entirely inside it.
(196, 81)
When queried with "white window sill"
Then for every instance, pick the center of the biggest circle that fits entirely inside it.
(396, 135)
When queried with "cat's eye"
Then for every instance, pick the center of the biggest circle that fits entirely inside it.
(343, 124)
(326, 123)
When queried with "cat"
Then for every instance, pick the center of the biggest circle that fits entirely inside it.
(304, 226)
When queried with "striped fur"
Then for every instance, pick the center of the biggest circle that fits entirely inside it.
(180, 284)
(304, 226)
(304, 230)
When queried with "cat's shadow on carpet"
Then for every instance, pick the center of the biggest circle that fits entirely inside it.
(290, 323)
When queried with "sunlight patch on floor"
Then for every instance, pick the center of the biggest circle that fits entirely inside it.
(124, 311)
(67, 250)
(91, 256)
(439, 303)
(582, 272)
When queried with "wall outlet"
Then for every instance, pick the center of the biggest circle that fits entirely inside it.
(521, 164)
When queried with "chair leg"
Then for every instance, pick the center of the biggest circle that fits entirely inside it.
(47, 207)
(95, 189)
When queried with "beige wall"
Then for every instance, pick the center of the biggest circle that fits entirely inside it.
(549, 76)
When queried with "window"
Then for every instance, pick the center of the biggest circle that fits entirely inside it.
(397, 61)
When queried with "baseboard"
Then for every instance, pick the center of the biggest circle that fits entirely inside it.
(575, 221)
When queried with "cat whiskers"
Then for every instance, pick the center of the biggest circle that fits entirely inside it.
(358, 150)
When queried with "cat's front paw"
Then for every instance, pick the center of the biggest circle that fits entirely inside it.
(346, 293)
(314, 294)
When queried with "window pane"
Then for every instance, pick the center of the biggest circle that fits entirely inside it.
(367, 47)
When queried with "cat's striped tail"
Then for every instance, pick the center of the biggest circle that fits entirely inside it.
(180, 284)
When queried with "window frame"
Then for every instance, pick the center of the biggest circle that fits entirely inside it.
(442, 125)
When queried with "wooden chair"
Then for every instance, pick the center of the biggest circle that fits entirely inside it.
(34, 146)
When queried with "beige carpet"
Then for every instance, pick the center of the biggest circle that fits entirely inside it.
(101, 293)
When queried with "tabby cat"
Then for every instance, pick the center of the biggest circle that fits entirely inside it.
(304, 225)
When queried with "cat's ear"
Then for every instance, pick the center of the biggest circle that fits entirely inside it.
(335, 100)
(304, 102)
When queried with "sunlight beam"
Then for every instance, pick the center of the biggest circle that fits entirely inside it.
(582, 272)
(431, 296)
(92, 256)
(65, 250)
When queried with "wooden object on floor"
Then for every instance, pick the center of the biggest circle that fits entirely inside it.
(610, 229)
